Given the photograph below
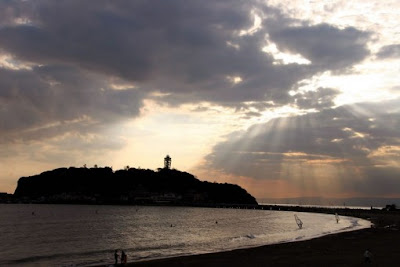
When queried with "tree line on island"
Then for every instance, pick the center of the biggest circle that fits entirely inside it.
(128, 186)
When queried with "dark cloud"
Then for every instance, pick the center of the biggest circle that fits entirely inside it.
(320, 99)
(348, 138)
(389, 51)
(252, 114)
(178, 47)
(51, 100)
(325, 45)
(132, 39)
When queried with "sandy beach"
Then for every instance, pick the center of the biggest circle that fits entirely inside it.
(342, 249)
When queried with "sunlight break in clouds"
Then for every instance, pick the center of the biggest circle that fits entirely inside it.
(284, 58)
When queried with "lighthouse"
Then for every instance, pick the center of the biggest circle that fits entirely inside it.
(167, 162)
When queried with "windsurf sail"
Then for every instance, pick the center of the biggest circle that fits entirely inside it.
(298, 221)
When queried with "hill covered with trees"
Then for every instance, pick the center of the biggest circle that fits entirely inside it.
(128, 186)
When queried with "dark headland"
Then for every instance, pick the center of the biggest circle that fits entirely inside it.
(129, 186)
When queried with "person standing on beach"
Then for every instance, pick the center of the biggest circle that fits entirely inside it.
(116, 256)
(124, 258)
(367, 256)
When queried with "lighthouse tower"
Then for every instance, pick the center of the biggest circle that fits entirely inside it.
(167, 162)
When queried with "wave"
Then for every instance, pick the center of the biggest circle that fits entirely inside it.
(243, 237)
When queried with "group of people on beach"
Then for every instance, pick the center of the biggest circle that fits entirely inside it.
(124, 257)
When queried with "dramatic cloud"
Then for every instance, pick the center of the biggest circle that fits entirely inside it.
(356, 146)
(124, 81)
(186, 48)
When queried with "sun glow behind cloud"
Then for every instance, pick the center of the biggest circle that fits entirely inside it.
(8, 62)
(282, 57)
(370, 82)
(255, 27)
(184, 134)
(375, 77)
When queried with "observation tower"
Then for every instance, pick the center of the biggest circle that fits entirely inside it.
(167, 162)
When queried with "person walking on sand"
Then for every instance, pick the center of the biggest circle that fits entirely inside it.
(124, 258)
(116, 256)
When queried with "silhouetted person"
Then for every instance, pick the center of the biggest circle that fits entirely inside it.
(116, 256)
(367, 256)
(124, 258)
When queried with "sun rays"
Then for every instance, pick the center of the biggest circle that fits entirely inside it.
(325, 153)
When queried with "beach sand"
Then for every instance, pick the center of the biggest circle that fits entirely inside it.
(341, 249)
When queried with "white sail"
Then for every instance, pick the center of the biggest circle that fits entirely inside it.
(298, 221)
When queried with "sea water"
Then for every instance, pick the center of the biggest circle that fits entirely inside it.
(79, 235)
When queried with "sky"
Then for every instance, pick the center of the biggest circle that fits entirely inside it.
(287, 98)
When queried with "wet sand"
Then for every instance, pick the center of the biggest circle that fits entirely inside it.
(342, 249)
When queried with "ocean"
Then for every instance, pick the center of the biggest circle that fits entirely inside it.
(86, 235)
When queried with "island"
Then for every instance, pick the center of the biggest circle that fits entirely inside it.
(131, 186)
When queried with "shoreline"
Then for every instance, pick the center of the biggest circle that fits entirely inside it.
(337, 249)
